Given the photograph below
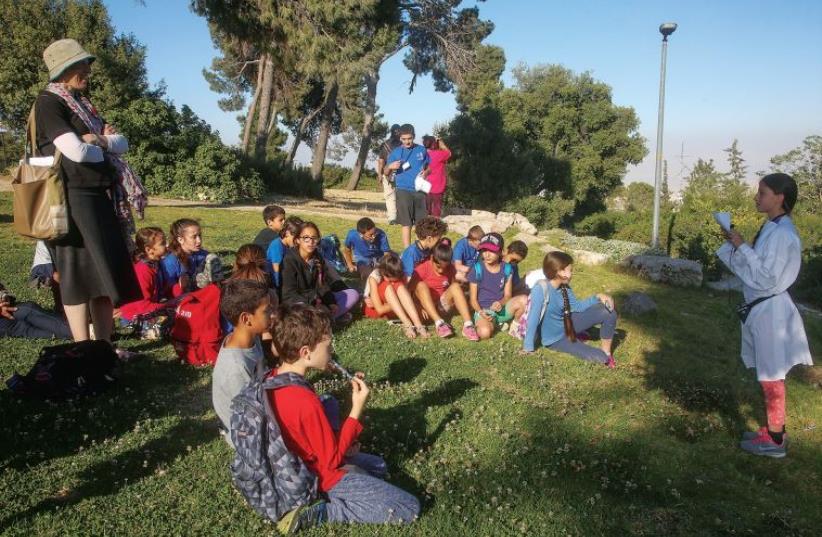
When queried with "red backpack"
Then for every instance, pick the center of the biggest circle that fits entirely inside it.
(197, 333)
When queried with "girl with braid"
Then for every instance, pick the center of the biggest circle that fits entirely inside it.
(558, 323)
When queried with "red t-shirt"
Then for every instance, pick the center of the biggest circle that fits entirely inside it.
(438, 283)
(437, 176)
(307, 432)
(147, 278)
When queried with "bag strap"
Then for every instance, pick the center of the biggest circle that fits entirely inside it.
(546, 297)
(30, 149)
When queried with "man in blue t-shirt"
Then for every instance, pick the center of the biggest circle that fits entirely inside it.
(409, 161)
(364, 247)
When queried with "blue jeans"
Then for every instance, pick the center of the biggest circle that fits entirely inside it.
(597, 314)
(32, 321)
(368, 500)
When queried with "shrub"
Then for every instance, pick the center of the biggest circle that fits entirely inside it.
(542, 212)
(217, 173)
(336, 176)
(616, 250)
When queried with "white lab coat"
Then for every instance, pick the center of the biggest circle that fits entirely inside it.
(773, 336)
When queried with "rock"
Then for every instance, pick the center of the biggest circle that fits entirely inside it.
(726, 284)
(506, 219)
(458, 223)
(476, 214)
(637, 304)
(549, 248)
(527, 227)
(663, 269)
(526, 238)
(586, 257)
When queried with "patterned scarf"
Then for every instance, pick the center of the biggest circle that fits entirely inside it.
(128, 192)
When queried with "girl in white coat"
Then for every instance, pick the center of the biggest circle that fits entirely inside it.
(773, 337)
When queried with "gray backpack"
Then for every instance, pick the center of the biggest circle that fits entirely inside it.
(271, 478)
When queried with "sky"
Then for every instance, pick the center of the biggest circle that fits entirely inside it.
(750, 70)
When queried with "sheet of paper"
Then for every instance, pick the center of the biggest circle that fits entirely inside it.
(723, 219)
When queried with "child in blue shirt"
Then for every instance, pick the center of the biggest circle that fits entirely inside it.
(408, 161)
(429, 231)
(516, 252)
(185, 256)
(274, 217)
(491, 288)
(276, 250)
(364, 247)
(465, 252)
(565, 315)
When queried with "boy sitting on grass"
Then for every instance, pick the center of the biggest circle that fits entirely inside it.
(465, 253)
(302, 336)
(429, 231)
(516, 252)
(273, 216)
(247, 305)
(364, 247)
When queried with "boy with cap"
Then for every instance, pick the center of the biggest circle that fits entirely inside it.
(491, 288)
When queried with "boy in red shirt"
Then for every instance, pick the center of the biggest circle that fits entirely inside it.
(438, 291)
(302, 337)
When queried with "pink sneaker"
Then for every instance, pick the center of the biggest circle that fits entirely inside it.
(611, 363)
(444, 330)
(470, 333)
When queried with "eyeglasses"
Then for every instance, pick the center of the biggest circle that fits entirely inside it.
(306, 238)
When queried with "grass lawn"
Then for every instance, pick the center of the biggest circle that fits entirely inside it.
(494, 443)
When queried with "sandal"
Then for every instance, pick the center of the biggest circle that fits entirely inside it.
(423, 332)
(409, 331)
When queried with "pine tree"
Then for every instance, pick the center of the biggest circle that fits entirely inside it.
(735, 162)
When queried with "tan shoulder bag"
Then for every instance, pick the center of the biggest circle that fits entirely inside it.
(40, 209)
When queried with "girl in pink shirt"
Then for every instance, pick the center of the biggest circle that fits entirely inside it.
(439, 154)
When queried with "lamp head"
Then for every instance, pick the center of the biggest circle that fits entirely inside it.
(666, 29)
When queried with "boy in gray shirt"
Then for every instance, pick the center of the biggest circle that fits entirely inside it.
(247, 304)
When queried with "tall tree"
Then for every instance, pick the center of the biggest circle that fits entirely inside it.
(736, 163)
(804, 163)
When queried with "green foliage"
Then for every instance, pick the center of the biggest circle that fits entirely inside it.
(543, 212)
(736, 163)
(804, 163)
(616, 250)
(337, 176)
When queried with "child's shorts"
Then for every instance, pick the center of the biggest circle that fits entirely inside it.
(502, 316)
(42, 275)
(371, 313)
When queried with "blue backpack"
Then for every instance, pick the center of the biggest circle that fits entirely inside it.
(273, 480)
(330, 251)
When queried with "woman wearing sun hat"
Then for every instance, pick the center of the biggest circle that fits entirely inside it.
(93, 259)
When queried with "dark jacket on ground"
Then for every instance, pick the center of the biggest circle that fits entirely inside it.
(308, 283)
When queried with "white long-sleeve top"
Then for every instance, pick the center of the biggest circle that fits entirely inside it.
(773, 336)
(76, 150)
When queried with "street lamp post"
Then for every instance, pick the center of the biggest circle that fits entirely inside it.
(665, 29)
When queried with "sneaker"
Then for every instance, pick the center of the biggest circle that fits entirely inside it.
(303, 517)
(444, 330)
(765, 446)
(750, 435)
(470, 333)
(611, 363)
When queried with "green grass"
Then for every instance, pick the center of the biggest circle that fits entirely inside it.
(493, 443)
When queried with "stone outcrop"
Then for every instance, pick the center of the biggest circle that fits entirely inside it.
(662, 269)
(636, 304)
(488, 221)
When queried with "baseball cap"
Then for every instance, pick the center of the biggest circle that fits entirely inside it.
(492, 242)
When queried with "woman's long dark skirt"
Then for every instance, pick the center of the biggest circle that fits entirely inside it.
(92, 259)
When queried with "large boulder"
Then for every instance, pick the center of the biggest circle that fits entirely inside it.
(663, 269)
(524, 224)
(636, 304)
(458, 223)
(476, 214)
(586, 257)
(506, 219)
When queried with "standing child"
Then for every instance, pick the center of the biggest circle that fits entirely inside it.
(386, 296)
(302, 336)
(465, 252)
(408, 161)
(274, 217)
(439, 154)
(186, 255)
(438, 291)
(565, 315)
(364, 247)
(491, 288)
(517, 251)
(151, 247)
(307, 279)
(247, 305)
(276, 250)
(773, 336)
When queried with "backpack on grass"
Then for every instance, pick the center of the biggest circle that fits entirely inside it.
(68, 370)
(197, 331)
(330, 251)
(273, 480)
(518, 326)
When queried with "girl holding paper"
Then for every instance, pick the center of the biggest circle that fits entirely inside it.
(773, 337)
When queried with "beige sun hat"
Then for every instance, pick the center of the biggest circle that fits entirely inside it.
(62, 54)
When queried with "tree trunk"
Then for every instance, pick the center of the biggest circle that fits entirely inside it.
(289, 159)
(265, 106)
(252, 109)
(367, 126)
(325, 132)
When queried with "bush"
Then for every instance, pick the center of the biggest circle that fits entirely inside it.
(336, 176)
(616, 250)
(542, 212)
(217, 173)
